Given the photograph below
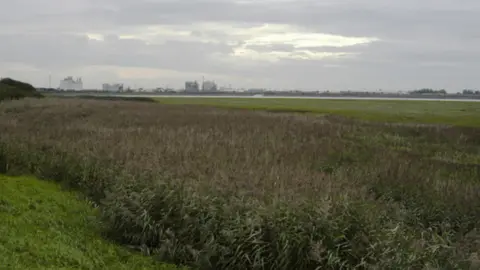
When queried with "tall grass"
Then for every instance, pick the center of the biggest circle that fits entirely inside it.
(221, 189)
(383, 110)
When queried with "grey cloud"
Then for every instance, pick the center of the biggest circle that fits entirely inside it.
(61, 50)
(421, 42)
(365, 17)
(410, 19)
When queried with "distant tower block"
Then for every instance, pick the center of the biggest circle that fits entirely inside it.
(69, 83)
(191, 87)
(209, 86)
(117, 87)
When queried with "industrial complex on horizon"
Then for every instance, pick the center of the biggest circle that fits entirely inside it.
(71, 84)
(208, 86)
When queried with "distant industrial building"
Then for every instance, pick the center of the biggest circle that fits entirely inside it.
(70, 84)
(209, 86)
(191, 86)
(117, 87)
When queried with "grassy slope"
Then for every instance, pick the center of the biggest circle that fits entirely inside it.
(42, 227)
(436, 112)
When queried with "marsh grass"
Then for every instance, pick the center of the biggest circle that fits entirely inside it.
(393, 111)
(237, 189)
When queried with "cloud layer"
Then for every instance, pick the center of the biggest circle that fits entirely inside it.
(308, 44)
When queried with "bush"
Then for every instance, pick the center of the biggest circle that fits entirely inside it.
(11, 89)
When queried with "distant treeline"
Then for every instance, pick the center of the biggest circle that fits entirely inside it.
(471, 92)
(443, 92)
(428, 91)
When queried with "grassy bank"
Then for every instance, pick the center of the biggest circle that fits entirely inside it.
(239, 189)
(436, 112)
(42, 227)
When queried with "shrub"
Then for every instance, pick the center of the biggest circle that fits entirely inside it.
(12, 89)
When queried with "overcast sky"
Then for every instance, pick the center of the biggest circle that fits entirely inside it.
(306, 44)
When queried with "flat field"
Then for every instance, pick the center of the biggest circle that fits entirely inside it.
(240, 189)
(419, 111)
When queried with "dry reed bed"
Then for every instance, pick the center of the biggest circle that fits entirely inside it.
(222, 189)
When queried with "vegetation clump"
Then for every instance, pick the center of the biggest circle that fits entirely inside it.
(11, 89)
(238, 189)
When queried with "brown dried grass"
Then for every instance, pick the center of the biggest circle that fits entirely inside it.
(234, 189)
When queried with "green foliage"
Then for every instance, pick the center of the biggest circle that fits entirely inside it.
(470, 92)
(12, 89)
(226, 189)
(42, 227)
(428, 91)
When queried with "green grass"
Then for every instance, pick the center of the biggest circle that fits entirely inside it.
(43, 227)
(403, 111)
